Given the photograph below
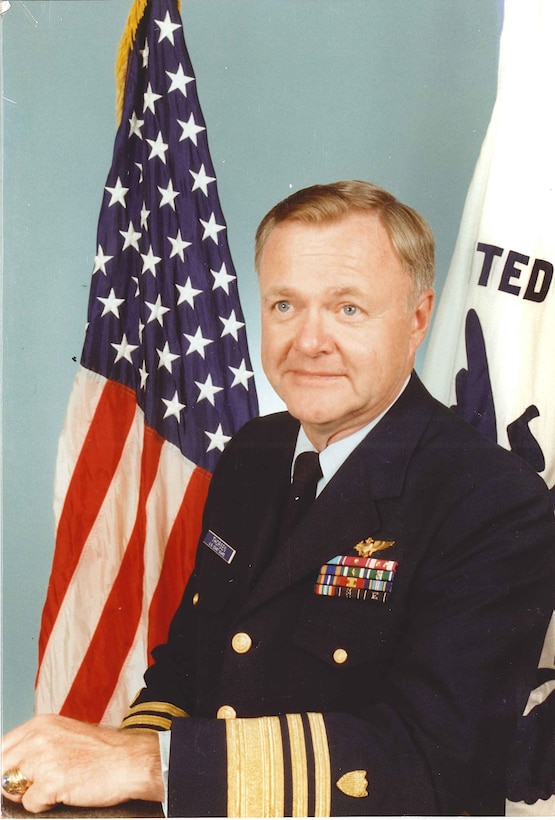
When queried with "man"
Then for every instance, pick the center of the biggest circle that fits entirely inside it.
(373, 656)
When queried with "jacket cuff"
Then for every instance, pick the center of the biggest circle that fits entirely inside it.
(198, 770)
(252, 767)
(153, 716)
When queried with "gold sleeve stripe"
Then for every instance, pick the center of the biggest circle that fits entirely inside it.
(322, 765)
(255, 774)
(146, 722)
(299, 769)
(157, 706)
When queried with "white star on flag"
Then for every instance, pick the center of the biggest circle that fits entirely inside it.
(207, 390)
(168, 195)
(222, 278)
(158, 148)
(166, 358)
(118, 193)
(167, 28)
(190, 129)
(217, 440)
(197, 343)
(241, 375)
(124, 349)
(145, 213)
(131, 238)
(143, 374)
(187, 293)
(178, 245)
(100, 261)
(211, 228)
(145, 54)
(150, 98)
(179, 80)
(202, 180)
(135, 125)
(173, 406)
(157, 311)
(231, 326)
(111, 303)
(150, 260)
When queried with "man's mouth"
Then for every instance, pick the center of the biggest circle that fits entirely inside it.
(314, 374)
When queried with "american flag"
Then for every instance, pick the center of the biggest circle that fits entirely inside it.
(164, 381)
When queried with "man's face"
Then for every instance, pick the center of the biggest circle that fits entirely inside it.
(339, 331)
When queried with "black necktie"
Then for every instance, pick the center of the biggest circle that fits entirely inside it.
(306, 475)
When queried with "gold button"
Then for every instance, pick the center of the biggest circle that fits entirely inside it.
(340, 655)
(241, 642)
(226, 713)
(196, 598)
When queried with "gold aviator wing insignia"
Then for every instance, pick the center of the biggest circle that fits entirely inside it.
(369, 546)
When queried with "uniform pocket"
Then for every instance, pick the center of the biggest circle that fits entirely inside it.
(346, 632)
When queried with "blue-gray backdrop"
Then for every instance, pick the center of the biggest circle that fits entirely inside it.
(294, 92)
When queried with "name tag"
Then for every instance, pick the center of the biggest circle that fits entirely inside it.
(219, 546)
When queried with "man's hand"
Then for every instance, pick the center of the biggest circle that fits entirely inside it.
(75, 763)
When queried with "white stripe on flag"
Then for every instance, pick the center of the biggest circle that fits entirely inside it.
(130, 681)
(83, 401)
(82, 605)
(163, 505)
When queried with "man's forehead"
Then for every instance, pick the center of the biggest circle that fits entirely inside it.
(350, 241)
(281, 290)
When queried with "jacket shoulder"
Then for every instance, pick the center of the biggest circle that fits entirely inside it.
(260, 444)
(281, 426)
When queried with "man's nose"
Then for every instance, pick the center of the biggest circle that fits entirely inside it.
(313, 334)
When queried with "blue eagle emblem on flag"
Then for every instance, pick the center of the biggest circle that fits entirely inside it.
(475, 402)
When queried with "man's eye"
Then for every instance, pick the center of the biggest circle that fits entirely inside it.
(350, 310)
(283, 307)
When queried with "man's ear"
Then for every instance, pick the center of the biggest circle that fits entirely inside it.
(422, 314)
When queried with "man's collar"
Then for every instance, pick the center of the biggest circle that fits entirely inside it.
(333, 456)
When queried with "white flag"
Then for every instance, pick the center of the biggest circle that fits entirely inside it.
(492, 347)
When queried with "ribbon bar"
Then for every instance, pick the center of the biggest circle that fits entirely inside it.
(369, 563)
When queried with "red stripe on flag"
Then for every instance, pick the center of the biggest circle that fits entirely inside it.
(93, 473)
(179, 558)
(99, 672)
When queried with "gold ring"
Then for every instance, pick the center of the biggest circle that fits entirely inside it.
(15, 782)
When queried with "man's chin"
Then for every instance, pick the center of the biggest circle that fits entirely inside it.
(316, 417)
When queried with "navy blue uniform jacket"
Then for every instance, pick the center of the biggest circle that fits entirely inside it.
(345, 706)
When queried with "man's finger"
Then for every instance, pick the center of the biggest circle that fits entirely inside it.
(36, 800)
(10, 741)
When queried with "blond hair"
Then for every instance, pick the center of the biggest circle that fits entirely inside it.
(408, 232)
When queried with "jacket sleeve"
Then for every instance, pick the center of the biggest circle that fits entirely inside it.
(457, 681)
(294, 765)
